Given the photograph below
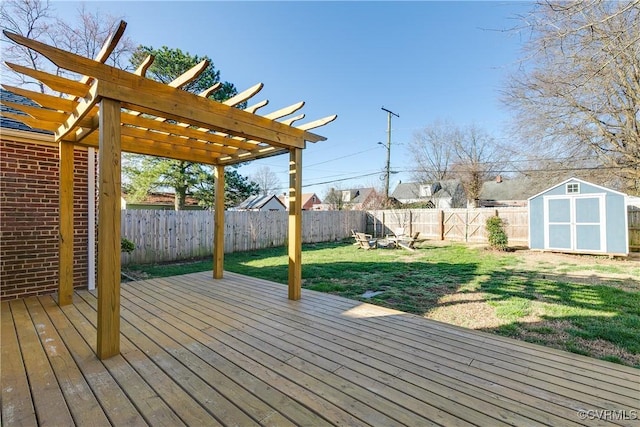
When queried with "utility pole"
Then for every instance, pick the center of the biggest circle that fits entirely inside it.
(386, 181)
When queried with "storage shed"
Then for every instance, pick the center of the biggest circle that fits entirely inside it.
(577, 216)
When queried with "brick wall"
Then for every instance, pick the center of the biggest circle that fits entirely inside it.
(29, 218)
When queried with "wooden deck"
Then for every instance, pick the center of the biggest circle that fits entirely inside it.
(237, 352)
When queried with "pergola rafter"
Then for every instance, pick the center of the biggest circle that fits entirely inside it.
(119, 111)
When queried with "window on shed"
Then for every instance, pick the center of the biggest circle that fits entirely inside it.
(573, 188)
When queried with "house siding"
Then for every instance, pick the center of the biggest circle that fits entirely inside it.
(29, 217)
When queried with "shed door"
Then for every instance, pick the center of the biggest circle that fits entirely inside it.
(575, 223)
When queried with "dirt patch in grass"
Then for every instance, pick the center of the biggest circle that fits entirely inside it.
(467, 309)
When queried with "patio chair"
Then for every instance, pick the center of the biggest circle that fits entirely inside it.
(398, 233)
(365, 241)
(409, 242)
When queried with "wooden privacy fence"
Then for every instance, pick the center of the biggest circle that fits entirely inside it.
(162, 236)
(460, 225)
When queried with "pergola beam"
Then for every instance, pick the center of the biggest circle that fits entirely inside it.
(133, 91)
(156, 148)
(57, 83)
(46, 101)
(184, 130)
(243, 96)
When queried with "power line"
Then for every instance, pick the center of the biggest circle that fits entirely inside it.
(584, 168)
(342, 179)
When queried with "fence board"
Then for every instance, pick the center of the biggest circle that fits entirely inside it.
(633, 218)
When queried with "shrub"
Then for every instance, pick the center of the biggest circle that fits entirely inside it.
(497, 236)
(126, 245)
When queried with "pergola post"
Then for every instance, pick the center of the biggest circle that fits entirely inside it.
(109, 230)
(218, 224)
(65, 224)
(295, 223)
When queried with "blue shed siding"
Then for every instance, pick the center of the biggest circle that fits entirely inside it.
(536, 223)
(617, 229)
(590, 218)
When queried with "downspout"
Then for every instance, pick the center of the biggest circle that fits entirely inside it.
(91, 198)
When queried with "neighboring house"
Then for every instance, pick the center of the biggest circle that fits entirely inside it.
(443, 194)
(29, 215)
(505, 192)
(359, 198)
(261, 203)
(310, 201)
(158, 201)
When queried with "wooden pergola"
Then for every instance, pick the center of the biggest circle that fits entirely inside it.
(119, 111)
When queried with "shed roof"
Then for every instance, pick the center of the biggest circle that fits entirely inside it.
(581, 181)
(257, 202)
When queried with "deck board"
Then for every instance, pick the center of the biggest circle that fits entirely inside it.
(236, 351)
(17, 406)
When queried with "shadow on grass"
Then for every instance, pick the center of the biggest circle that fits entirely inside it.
(414, 287)
(595, 319)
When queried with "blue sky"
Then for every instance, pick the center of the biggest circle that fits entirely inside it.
(422, 60)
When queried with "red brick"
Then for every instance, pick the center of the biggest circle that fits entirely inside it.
(29, 219)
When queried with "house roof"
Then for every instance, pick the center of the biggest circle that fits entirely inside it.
(360, 195)
(511, 189)
(9, 123)
(307, 196)
(257, 202)
(411, 190)
(406, 190)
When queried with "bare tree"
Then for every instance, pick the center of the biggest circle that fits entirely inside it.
(267, 180)
(447, 151)
(432, 151)
(29, 18)
(334, 198)
(577, 92)
(86, 35)
(36, 19)
(477, 158)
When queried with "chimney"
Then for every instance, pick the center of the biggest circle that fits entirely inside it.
(499, 179)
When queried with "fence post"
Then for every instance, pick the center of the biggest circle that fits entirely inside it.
(375, 219)
(410, 223)
(441, 224)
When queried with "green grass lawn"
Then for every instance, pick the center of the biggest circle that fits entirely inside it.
(583, 307)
